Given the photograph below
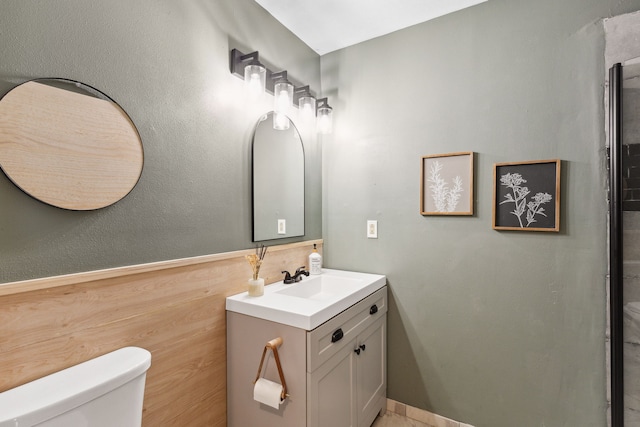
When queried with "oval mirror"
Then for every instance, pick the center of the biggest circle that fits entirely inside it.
(278, 181)
(68, 145)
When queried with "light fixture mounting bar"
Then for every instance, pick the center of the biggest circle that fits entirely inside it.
(273, 78)
(299, 92)
(237, 62)
(324, 103)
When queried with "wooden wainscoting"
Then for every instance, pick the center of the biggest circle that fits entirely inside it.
(174, 309)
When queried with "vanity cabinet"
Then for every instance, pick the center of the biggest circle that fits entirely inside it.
(350, 387)
(335, 373)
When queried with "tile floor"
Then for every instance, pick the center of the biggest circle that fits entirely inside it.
(398, 414)
(391, 419)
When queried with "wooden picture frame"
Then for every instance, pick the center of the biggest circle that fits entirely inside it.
(526, 196)
(446, 184)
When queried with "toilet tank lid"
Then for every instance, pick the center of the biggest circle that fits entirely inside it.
(64, 390)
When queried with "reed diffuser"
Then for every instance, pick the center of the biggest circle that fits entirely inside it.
(256, 283)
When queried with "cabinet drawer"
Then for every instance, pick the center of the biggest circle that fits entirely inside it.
(328, 338)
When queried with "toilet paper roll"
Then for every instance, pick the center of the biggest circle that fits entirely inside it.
(267, 392)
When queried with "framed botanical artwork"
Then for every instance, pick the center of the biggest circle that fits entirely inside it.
(526, 196)
(446, 184)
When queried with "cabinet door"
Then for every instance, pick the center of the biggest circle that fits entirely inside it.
(331, 391)
(371, 376)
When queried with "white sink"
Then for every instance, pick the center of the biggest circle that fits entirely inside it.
(312, 301)
(322, 287)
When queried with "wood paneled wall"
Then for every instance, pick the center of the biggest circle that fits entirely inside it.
(174, 309)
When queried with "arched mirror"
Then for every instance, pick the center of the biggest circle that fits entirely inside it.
(68, 145)
(278, 181)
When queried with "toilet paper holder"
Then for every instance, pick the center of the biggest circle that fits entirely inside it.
(273, 345)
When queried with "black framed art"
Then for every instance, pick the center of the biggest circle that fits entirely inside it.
(526, 196)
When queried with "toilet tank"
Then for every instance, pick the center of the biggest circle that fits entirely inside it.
(103, 392)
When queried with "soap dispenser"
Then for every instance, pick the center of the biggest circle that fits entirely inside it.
(315, 261)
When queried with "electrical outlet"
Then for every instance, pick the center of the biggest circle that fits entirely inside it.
(372, 229)
(282, 226)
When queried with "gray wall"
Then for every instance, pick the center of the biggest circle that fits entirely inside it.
(166, 64)
(496, 329)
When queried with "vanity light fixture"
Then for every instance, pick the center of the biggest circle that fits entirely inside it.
(325, 117)
(259, 78)
(254, 73)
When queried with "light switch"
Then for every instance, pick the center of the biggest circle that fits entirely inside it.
(282, 226)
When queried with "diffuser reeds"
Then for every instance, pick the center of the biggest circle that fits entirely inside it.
(255, 260)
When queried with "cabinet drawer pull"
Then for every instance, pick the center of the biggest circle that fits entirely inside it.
(357, 351)
(337, 335)
(363, 347)
(374, 309)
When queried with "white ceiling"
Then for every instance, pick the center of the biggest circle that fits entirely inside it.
(328, 25)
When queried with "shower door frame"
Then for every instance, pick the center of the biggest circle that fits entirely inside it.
(616, 337)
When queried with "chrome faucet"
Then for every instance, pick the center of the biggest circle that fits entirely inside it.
(297, 276)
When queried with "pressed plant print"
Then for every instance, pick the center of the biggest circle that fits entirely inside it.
(445, 198)
(446, 184)
(526, 195)
(518, 197)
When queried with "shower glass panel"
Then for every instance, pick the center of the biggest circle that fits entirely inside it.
(630, 171)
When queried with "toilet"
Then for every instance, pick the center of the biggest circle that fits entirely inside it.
(103, 392)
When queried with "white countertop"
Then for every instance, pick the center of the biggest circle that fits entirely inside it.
(312, 301)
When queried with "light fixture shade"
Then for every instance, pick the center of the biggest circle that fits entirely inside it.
(280, 121)
(325, 117)
(248, 67)
(307, 106)
(282, 97)
(255, 77)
